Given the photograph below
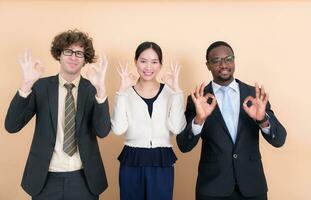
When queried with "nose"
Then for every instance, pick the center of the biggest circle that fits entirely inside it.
(73, 57)
(222, 64)
(148, 65)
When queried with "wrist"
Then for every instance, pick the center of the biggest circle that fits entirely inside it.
(263, 120)
(101, 93)
(198, 120)
(122, 89)
(26, 86)
(264, 124)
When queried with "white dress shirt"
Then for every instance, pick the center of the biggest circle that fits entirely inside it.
(234, 93)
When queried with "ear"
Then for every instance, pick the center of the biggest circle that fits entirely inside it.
(59, 55)
(208, 66)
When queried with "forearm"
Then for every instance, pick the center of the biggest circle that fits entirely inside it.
(176, 120)
(101, 119)
(277, 133)
(20, 111)
(186, 140)
(119, 119)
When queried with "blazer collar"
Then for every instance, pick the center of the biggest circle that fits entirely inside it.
(244, 92)
(81, 100)
(53, 100)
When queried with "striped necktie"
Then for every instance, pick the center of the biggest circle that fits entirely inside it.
(69, 145)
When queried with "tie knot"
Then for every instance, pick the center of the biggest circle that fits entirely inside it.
(225, 89)
(69, 86)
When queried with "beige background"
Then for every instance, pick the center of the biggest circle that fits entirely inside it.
(271, 40)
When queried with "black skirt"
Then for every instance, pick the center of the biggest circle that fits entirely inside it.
(147, 157)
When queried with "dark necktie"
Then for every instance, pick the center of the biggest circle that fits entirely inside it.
(69, 145)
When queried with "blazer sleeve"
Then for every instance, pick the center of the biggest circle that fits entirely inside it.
(119, 118)
(186, 140)
(277, 135)
(176, 120)
(101, 118)
(20, 112)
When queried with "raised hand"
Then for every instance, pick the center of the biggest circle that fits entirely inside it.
(257, 109)
(97, 75)
(202, 107)
(127, 78)
(32, 71)
(171, 77)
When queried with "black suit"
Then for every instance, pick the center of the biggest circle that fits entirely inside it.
(92, 119)
(224, 164)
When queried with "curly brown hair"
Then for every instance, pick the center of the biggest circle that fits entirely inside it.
(70, 37)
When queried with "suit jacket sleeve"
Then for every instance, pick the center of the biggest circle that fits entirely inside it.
(101, 118)
(20, 112)
(186, 140)
(277, 134)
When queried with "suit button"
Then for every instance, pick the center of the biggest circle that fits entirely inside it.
(235, 156)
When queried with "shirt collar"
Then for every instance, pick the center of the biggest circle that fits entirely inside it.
(75, 82)
(233, 85)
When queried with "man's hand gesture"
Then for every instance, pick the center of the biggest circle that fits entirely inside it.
(202, 107)
(32, 71)
(97, 74)
(257, 109)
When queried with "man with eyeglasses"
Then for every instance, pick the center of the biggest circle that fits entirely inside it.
(71, 112)
(227, 115)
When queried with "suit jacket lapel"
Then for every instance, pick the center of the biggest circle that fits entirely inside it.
(53, 100)
(82, 97)
(243, 94)
(217, 113)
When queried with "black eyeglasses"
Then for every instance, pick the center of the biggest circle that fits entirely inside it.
(217, 61)
(69, 52)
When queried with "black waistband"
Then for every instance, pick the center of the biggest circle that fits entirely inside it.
(147, 157)
(67, 174)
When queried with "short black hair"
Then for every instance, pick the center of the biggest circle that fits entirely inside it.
(215, 45)
(147, 45)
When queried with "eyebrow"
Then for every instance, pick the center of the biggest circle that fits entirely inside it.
(147, 59)
(73, 49)
(221, 57)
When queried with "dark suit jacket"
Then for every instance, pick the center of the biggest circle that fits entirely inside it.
(92, 119)
(223, 163)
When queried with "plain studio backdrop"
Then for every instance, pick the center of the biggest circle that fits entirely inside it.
(271, 40)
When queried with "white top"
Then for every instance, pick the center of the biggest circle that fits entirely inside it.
(132, 118)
